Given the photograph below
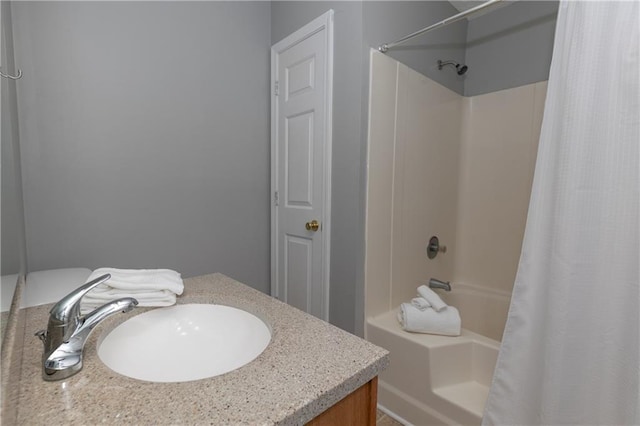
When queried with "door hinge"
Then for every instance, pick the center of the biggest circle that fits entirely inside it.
(276, 88)
(275, 198)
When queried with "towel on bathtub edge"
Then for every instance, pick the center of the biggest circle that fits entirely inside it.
(446, 322)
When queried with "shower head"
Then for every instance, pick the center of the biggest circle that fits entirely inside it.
(461, 69)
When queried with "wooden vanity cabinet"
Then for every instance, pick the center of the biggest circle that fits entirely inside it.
(356, 409)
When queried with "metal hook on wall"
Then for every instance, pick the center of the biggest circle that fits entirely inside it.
(12, 77)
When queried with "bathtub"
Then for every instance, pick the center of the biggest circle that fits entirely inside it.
(52, 285)
(433, 380)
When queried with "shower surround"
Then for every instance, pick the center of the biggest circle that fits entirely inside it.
(459, 168)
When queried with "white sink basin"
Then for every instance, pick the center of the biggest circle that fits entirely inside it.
(184, 342)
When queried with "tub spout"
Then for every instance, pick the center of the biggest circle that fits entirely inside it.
(435, 283)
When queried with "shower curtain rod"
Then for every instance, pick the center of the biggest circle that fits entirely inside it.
(386, 46)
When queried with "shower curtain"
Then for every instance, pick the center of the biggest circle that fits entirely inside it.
(570, 349)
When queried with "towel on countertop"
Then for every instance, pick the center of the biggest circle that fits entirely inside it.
(150, 287)
(431, 296)
(420, 303)
(446, 322)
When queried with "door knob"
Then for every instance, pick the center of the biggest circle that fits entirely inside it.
(314, 225)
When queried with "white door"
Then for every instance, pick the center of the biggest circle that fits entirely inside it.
(301, 75)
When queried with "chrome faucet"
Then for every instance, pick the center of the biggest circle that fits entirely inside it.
(68, 331)
(435, 283)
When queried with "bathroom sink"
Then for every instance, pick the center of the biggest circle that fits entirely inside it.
(184, 342)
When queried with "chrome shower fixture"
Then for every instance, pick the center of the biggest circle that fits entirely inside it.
(461, 69)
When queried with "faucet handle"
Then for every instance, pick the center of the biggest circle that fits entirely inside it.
(69, 306)
(435, 247)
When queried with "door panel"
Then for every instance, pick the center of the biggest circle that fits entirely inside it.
(299, 142)
(299, 259)
(299, 77)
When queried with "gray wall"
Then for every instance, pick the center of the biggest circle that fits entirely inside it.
(9, 218)
(510, 47)
(287, 17)
(12, 232)
(145, 135)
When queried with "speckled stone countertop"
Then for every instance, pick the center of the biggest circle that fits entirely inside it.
(308, 366)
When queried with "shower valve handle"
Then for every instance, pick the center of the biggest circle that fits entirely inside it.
(434, 248)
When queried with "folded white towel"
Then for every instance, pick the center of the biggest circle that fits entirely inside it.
(139, 279)
(151, 287)
(158, 298)
(420, 303)
(446, 322)
(431, 297)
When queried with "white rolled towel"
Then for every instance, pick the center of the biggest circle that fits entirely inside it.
(446, 322)
(420, 303)
(151, 287)
(431, 296)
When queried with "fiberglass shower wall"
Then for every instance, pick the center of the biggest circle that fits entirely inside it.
(452, 166)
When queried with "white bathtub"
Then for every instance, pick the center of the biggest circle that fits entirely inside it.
(433, 380)
(51, 285)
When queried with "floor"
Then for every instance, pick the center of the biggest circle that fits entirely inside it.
(383, 420)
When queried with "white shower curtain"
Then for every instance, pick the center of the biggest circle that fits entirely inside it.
(570, 351)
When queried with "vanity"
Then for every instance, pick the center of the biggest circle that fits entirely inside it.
(310, 373)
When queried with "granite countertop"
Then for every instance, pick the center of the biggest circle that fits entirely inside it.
(308, 366)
